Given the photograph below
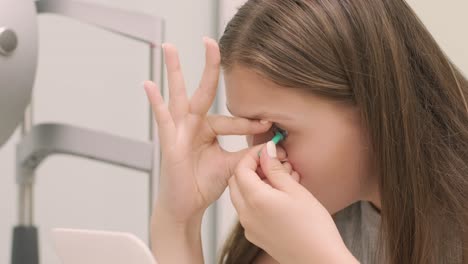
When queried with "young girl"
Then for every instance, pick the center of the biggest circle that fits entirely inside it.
(373, 166)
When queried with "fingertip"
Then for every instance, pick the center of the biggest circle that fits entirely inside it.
(166, 45)
(260, 126)
(143, 84)
(208, 40)
(212, 51)
(255, 127)
(147, 85)
(153, 93)
(169, 49)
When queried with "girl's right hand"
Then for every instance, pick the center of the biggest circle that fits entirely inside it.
(194, 168)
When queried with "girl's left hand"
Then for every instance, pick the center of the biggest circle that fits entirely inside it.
(281, 216)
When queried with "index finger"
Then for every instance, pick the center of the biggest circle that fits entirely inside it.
(205, 94)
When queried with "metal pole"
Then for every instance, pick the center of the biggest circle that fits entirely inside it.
(25, 190)
(25, 245)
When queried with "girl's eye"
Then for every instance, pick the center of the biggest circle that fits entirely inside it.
(276, 128)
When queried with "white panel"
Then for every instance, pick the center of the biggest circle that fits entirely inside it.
(227, 9)
(447, 23)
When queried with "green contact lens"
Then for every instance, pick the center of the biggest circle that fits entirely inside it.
(277, 138)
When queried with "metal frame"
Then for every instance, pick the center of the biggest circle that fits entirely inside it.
(41, 141)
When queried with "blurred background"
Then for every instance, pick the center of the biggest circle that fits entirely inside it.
(92, 78)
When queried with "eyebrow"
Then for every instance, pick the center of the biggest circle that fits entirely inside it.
(260, 115)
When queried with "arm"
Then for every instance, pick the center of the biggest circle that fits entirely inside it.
(188, 181)
(175, 242)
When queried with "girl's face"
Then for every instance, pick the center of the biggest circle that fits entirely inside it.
(326, 144)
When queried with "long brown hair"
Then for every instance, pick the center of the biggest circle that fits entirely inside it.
(377, 55)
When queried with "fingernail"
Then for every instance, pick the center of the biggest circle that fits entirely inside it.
(264, 122)
(271, 149)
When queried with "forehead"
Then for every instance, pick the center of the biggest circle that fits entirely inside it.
(248, 91)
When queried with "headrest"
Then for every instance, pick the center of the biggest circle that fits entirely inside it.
(18, 62)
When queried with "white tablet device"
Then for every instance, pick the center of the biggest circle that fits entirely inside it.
(75, 246)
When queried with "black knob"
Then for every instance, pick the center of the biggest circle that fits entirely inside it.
(8, 41)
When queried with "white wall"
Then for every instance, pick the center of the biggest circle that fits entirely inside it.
(92, 78)
(447, 22)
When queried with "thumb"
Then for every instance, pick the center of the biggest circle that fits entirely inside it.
(274, 170)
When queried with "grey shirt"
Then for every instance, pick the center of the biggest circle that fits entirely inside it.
(359, 226)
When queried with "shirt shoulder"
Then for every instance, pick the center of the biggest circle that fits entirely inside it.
(359, 226)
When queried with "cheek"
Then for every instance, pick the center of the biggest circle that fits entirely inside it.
(332, 167)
